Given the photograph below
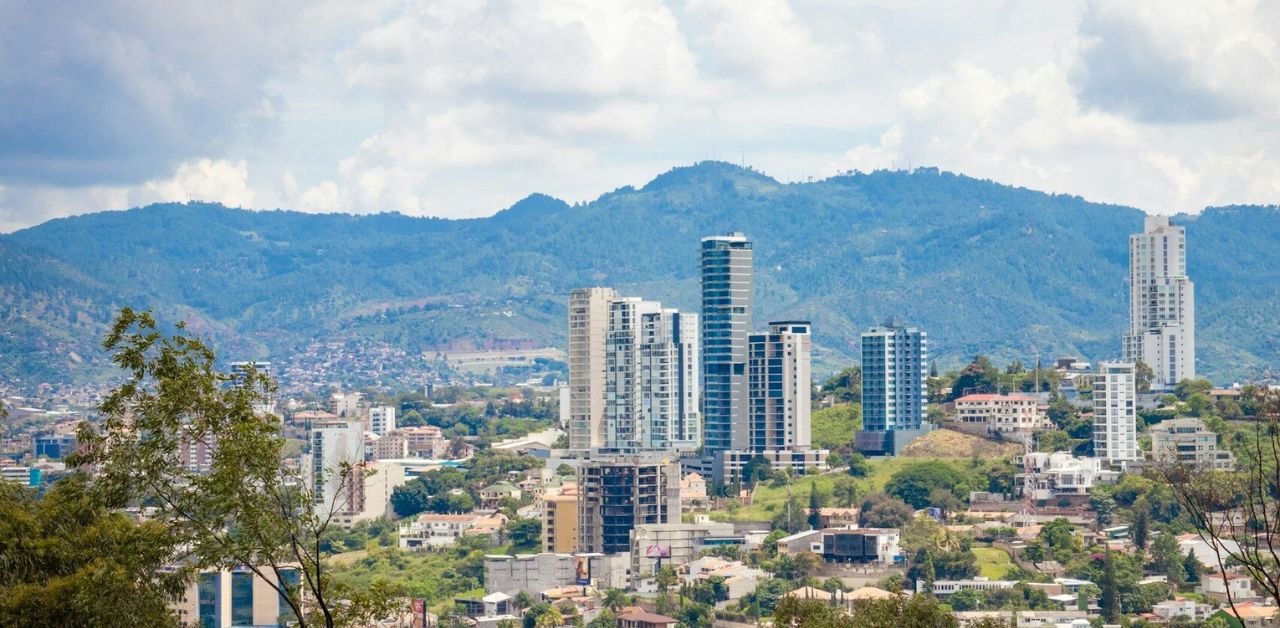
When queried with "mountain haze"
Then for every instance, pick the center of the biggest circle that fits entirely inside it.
(981, 266)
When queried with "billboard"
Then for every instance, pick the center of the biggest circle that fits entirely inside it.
(582, 570)
(657, 551)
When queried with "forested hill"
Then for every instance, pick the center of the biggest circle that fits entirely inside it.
(981, 266)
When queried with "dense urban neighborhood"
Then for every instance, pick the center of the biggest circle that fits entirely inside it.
(671, 468)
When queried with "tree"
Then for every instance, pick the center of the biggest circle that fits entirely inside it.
(979, 376)
(815, 507)
(1191, 565)
(858, 465)
(410, 498)
(883, 511)
(914, 483)
(945, 501)
(615, 599)
(666, 578)
(1143, 375)
(565, 469)
(966, 600)
(1166, 558)
(249, 509)
(524, 533)
(1236, 512)
(755, 471)
(69, 560)
(1141, 520)
(845, 492)
(1110, 591)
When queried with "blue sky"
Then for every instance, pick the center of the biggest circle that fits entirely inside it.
(461, 108)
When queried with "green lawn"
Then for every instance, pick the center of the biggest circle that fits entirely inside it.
(992, 563)
(769, 501)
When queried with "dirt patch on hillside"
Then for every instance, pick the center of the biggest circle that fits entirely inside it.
(952, 444)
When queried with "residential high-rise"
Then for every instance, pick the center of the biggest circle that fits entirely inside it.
(1115, 422)
(651, 378)
(588, 324)
(726, 321)
(617, 494)
(382, 420)
(895, 367)
(778, 387)
(778, 391)
(334, 445)
(1162, 317)
(560, 520)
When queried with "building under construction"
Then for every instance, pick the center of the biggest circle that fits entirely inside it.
(619, 493)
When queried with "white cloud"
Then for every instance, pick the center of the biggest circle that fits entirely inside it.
(461, 107)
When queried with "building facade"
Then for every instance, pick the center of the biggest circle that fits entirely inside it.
(1002, 414)
(895, 362)
(588, 325)
(235, 597)
(651, 378)
(334, 446)
(382, 420)
(1188, 441)
(779, 384)
(1162, 320)
(560, 520)
(620, 493)
(727, 302)
(674, 544)
(1115, 421)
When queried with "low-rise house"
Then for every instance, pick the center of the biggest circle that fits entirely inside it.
(490, 610)
(431, 531)
(491, 496)
(1059, 474)
(1254, 615)
(1003, 414)
(837, 517)
(846, 545)
(1239, 585)
(1182, 608)
(837, 599)
(644, 619)
(739, 578)
(1189, 441)
(943, 588)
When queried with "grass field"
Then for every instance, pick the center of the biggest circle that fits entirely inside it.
(992, 563)
(769, 501)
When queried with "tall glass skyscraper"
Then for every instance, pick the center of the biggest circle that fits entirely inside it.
(726, 321)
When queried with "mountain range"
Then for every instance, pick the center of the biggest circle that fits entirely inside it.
(982, 267)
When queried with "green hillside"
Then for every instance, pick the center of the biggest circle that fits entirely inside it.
(982, 267)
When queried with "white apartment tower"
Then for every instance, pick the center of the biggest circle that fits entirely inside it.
(778, 385)
(1162, 318)
(1115, 423)
(588, 324)
(651, 378)
(333, 445)
(382, 419)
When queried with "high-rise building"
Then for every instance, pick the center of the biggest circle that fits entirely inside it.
(779, 386)
(236, 597)
(894, 369)
(726, 321)
(894, 395)
(1115, 422)
(618, 493)
(588, 325)
(382, 420)
(560, 520)
(335, 445)
(778, 392)
(1162, 317)
(651, 378)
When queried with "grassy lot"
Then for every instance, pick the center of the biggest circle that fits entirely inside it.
(992, 563)
(769, 500)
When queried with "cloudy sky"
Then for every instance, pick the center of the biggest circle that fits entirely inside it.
(462, 108)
